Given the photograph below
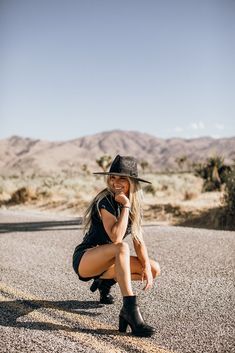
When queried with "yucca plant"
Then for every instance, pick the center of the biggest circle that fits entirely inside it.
(150, 189)
(144, 164)
(104, 162)
(213, 172)
(181, 161)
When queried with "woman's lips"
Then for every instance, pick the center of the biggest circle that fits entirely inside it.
(117, 189)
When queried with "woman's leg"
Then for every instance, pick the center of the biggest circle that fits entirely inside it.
(101, 258)
(123, 270)
(117, 257)
(136, 269)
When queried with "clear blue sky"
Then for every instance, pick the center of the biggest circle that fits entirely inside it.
(73, 68)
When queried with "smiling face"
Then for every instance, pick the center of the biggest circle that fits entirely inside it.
(119, 184)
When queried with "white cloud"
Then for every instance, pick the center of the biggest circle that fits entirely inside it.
(194, 126)
(201, 125)
(198, 126)
(219, 126)
(179, 129)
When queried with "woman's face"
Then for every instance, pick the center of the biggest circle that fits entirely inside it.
(119, 184)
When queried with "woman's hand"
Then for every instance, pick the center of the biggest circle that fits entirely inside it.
(121, 198)
(148, 277)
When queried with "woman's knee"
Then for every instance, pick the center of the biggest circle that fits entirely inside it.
(155, 267)
(122, 248)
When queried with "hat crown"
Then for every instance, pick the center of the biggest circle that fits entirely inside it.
(124, 165)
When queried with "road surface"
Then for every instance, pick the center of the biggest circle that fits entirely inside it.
(45, 308)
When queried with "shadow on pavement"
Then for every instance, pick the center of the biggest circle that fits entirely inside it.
(12, 312)
(40, 226)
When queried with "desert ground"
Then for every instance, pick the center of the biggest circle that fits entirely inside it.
(175, 198)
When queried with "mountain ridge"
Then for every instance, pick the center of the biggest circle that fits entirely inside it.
(23, 154)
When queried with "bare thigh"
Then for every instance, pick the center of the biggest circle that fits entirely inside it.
(97, 260)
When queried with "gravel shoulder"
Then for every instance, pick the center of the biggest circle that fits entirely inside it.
(45, 308)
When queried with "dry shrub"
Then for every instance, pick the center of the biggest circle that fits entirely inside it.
(42, 194)
(21, 195)
(190, 195)
(164, 187)
(149, 189)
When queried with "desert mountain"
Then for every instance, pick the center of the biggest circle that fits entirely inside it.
(27, 155)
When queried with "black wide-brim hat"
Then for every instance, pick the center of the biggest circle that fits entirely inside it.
(124, 166)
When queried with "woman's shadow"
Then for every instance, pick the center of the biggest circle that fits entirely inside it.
(12, 311)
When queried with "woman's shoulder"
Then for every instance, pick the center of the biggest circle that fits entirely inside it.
(107, 202)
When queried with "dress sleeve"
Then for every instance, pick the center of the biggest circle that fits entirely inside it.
(107, 205)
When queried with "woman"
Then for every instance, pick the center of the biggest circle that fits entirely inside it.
(104, 256)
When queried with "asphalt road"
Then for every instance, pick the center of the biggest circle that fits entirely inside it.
(45, 308)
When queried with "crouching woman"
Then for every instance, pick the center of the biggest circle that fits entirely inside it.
(104, 256)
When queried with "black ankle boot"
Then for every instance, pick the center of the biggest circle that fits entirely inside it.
(130, 315)
(104, 286)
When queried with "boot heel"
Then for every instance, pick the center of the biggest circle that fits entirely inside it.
(122, 324)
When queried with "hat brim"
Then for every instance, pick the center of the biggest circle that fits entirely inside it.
(123, 174)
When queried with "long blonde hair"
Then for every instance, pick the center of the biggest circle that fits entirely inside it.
(136, 200)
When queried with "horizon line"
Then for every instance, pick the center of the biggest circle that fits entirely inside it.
(214, 137)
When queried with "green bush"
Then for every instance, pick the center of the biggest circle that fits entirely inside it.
(213, 172)
(229, 195)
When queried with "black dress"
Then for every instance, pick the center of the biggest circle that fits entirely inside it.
(97, 235)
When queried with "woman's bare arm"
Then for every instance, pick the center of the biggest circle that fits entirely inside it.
(142, 253)
(115, 228)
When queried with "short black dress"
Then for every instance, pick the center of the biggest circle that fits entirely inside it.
(97, 235)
